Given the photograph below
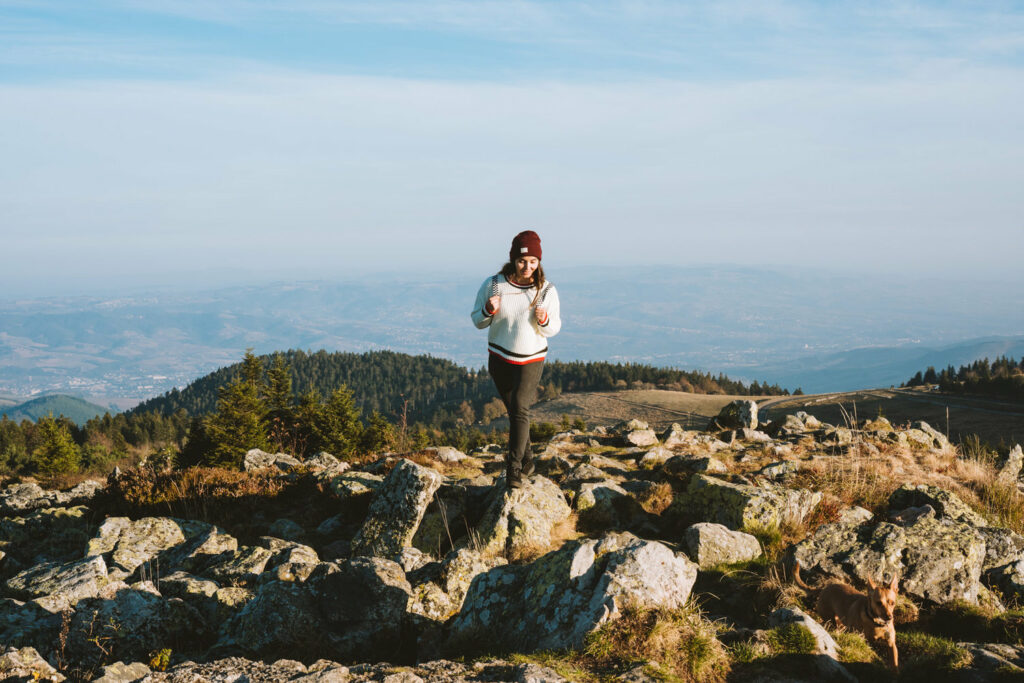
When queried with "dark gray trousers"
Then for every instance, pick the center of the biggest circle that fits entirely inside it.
(517, 386)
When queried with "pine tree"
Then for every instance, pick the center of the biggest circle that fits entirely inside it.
(238, 425)
(338, 429)
(56, 452)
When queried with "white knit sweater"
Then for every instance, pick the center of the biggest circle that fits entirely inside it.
(514, 333)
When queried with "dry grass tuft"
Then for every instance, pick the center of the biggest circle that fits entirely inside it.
(680, 643)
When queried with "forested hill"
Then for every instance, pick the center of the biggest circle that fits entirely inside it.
(383, 380)
(1003, 377)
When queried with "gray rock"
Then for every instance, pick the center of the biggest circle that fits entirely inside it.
(557, 600)
(71, 581)
(397, 511)
(24, 623)
(1002, 547)
(242, 566)
(119, 672)
(535, 673)
(445, 453)
(737, 415)
(125, 544)
(687, 464)
(946, 503)
(939, 439)
(362, 603)
(1010, 470)
(27, 665)
(655, 457)
(779, 470)
(855, 515)
(583, 473)
(132, 622)
(18, 498)
(606, 505)
(325, 461)
(633, 425)
(641, 438)
(256, 459)
(996, 657)
(677, 436)
(351, 485)
(521, 519)
(739, 505)
(441, 599)
(197, 552)
(710, 545)
(286, 529)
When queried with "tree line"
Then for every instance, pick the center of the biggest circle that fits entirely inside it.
(1003, 377)
(302, 403)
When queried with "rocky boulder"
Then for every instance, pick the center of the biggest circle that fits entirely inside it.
(27, 665)
(396, 512)
(256, 459)
(127, 544)
(1010, 469)
(440, 596)
(70, 581)
(741, 505)
(710, 545)
(946, 504)
(557, 600)
(826, 648)
(736, 415)
(523, 519)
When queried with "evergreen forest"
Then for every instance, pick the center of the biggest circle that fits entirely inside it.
(350, 405)
(1002, 378)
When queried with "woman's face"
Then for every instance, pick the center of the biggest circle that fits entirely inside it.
(525, 267)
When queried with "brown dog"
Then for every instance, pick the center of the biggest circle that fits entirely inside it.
(871, 613)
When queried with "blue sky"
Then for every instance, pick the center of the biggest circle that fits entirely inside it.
(168, 141)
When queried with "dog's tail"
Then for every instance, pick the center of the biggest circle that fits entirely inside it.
(796, 577)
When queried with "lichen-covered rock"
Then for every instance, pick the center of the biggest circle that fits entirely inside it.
(351, 485)
(521, 519)
(687, 464)
(946, 503)
(286, 529)
(938, 560)
(325, 461)
(640, 438)
(396, 512)
(256, 459)
(1002, 547)
(25, 623)
(939, 439)
(779, 471)
(132, 622)
(677, 436)
(655, 457)
(1000, 661)
(606, 505)
(443, 597)
(18, 498)
(740, 505)
(281, 617)
(47, 534)
(445, 453)
(943, 560)
(736, 415)
(242, 566)
(710, 545)
(71, 581)
(786, 426)
(199, 551)
(119, 672)
(361, 604)
(26, 664)
(127, 544)
(557, 600)
(1010, 469)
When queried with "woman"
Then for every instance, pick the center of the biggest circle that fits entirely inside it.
(520, 309)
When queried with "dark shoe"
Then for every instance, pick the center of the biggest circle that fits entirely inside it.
(529, 467)
(514, 480)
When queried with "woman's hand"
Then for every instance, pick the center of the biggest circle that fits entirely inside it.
(493, 304)
(542, 314)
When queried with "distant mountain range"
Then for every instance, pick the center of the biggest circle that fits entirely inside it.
(813, 329)
(75, 409)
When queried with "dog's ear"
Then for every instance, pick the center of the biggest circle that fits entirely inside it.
(894, 584)
(871, 582)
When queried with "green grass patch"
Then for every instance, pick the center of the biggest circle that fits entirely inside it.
(791, 639)
(854, 648)
(927, 657)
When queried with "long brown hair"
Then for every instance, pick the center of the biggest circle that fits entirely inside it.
(509, 269)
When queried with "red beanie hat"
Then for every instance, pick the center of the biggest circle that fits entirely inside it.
(526, 243)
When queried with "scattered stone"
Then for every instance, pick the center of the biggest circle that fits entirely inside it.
(26, 664)
(119, 672)
(286, 529)
(351, 485)
(1010, 470)
(445, 453)
(828, 664)
(242, 566)
(739, 505)
(521, 519)
(736, 415)
(397, 511)
(325, 461)
(557, 600)
(640, 438)
(710, 545)
(945, 503)
(779, 471)
(71, 581)
(256, 459)
(655, 457)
